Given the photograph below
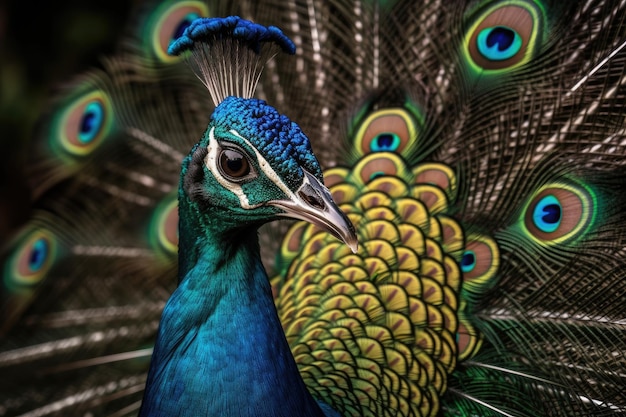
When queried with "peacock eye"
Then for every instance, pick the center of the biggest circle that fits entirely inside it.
(480, 260)
(234, 164)
(504, 36)
(32, 260)
(498, 43)
(385, 142)
(388, 130)
(91, 123)
(559, 212)
(468, 261)
(547, 214)
(168, 22)
(84, 124)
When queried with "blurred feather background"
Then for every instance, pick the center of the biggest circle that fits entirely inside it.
(41, 46)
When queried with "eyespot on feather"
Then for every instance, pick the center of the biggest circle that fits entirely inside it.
(480, 260)
(31, 259)
(387, 130)
(504, 36)
(164, 227)
(168, 24)
(559, 212)
(83, 125)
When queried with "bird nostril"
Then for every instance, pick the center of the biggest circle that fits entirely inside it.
(311, 196)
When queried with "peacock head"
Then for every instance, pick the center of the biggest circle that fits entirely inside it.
(254, 165)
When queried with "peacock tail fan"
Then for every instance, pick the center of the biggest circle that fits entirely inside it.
(477, 147)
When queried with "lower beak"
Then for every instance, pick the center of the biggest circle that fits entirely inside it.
(313, 203)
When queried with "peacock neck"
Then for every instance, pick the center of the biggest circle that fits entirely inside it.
(220, 348)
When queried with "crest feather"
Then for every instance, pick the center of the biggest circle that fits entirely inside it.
(228, 54)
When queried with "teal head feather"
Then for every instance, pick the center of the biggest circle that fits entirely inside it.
(252, 166)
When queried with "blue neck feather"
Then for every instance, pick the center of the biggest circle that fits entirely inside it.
(220, 349)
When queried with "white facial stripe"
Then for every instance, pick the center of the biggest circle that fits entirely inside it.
(211, 164)
(266, 168)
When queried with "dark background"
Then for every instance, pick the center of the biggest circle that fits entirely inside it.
(42, 44)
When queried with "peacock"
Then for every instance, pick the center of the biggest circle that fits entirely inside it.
(475, 150)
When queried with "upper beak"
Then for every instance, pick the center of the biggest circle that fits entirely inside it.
(313, 203)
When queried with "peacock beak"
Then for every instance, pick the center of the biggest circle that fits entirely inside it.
(313, 203)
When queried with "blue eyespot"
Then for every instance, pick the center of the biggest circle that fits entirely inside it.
(385, 142)
(498, 43)
(547, 214)
(91, 123)
(38, 255)
(184, 24)
(34, 256)
(468, 261)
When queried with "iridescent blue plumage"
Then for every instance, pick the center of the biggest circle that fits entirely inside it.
(273, 134)
(220, 348)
